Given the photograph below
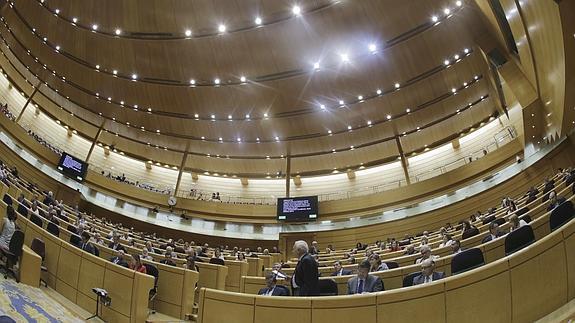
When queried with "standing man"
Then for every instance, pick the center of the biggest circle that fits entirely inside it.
(305, 281)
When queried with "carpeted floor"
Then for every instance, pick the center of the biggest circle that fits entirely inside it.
(28, 304)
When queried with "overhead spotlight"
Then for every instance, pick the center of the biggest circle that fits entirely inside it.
(239, 139)
(57, 47)
(277, 138)
(322, 106)
(397, 85)
(203, 138)
(341, 102)
(265, 115)
(466, 51)
(229, 117)
(134, 76)
(196, 115)
(243, 79)
(456, 56)
(464, 83)
(476, 77)
(57, 11)
(369, 122)
(115, 72)
(453, 90)
(220, 139)
(247, 116)
(258, 139)
(458, 3)
(188, 33)
(193, 82)
(446, 11)
(408, 110)
(296, 10)
(217, 81)
(434, 18)
(344, 58)
(372, 48)
(97, 67)
(94, 27)
(329, 132)
(222, 28)
(360, 97)
(258, 21)
(74, 20)
(388, 117)
(316, 66)
(349, 127)
(213, 116)
(118, 31)
(446, 62)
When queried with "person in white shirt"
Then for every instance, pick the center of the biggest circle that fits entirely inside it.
(447, 241)
(428, 273)
(515, 223)
(8, 227)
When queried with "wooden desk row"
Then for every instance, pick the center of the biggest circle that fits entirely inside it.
(522, 287)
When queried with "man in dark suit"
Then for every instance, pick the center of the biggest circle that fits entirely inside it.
(339, 271)
(272, 289)
(364, 282)
(119, 259)
(86, 245)
(115, 244)
(554, 201)
(305, 280)
(428, 273)
(494, 233)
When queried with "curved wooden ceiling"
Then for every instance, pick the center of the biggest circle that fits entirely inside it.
(140, 80)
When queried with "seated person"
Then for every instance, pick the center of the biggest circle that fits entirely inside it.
(494, 233)
(8, 227)
(191, 264)
(217, 258)
(115, 244)
(394, 246)
(456, 247)
(425, 252)
(272, 289)
(428, 273)
(339, 270)
(515, 222)
(364, 282)
(554, 200)
(136, 264)
(277, 271)
(376, 264)
(146, 255)
(119, 259)
(168, 260)
(447, 240)
(86, 245)
(410, 250)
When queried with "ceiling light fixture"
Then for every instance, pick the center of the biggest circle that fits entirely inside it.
(296, 10)
(188, 33)
(222, 28)
(258, 21)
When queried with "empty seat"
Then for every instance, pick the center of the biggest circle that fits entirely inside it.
(36, 219)
(64, 218)
(392, 264)
(75, 240)
(519, 239)
(525, 218)
(39, 247)
(22, 210)
(7, 199)
(72, 229)
(488, 219)
(499, 221)
(561, 215)
(217, 261)
(467, 260)
(408, 280)
(530, 199)
(469, 233)
(53, 229)
(522, 211)
(327, 287)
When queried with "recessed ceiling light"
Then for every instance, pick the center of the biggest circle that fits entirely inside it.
(243, 79)
(466, 51)
(344, 58)
(134, 76)
(458, 3)
(57, 11)
(196, 115)
(397, 85)
(239, 139)
(247, 116)
(446, 11)
(188, 33)
(115, 72)
(118, 31)
(265, 115)
(322, 106)
(475, 77)
(213, 116)
(222, 28)
(446, 62)
(456, 56)
(453, 90)
(349, 127)
(341, 102)
(57, 47)
(75, 20)
(329, 132)
(316, 66)
(203, 137)
(229, 116)
(369, 122)
(277, 138)
(220, 139)
(296, 10)
(372, 48)
(408, 110)
(378, 92)
(192, 82)
(434, 18)
(258, 21)
(97, 67)
(360, 97)
(217, 81)
(94, 27)
(388, 117)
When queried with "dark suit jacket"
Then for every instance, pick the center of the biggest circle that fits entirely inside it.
(307, 276)
(560, 200)
(217, 261)
(278, 291)
(371, 284)
(488, 238)
(88, 247)
(120, 262)
(343, 272)
(418, 280)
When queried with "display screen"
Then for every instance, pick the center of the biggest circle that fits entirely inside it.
(297, 208)
(72, 167)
